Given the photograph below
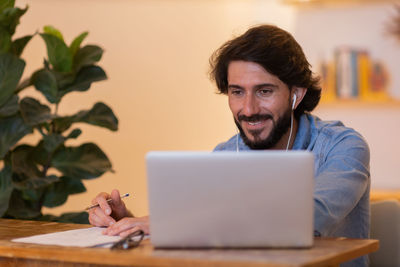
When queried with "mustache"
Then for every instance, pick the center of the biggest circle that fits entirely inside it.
(255, 117)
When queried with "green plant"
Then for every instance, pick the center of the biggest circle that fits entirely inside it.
(45, 174)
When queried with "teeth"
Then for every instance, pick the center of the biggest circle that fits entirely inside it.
(254, 123)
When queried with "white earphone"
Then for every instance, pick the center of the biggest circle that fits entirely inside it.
(291, 122)
(294, 101)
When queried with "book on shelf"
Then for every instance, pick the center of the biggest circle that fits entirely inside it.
(353, 75)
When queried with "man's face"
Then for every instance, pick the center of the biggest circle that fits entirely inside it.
(260, 104)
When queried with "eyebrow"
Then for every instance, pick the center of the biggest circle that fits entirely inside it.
(258, 86)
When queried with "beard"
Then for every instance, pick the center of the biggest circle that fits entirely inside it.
(279, 128)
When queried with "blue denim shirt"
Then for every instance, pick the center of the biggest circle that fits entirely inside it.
(342, 178)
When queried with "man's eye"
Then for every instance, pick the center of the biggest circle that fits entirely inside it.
(236, 92)
(264, 92)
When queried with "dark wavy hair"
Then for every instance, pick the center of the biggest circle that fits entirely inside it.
(277, 52)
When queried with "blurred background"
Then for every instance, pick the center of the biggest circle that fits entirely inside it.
(156, 57)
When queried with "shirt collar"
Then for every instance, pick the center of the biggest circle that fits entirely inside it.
(306, 132)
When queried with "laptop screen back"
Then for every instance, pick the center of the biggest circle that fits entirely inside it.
(229, 199)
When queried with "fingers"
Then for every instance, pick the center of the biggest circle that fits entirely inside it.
(129, 231)
(128, 225)
(119, 227)
(108, 211)
(101, 199)
(99, 216)
(116, 199)
(118, 207)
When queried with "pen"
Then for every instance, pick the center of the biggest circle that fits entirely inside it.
(108, 201)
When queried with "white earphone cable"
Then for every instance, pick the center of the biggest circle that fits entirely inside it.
(291, 129)
(291, 121)
(237, 141)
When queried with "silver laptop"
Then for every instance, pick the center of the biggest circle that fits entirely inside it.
(229, 199)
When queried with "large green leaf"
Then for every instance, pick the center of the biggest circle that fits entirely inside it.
(74, 217)
(34, 183)
(99, 115)
(9, 18)
(45, 81)
(87, 55)
(69, 217)
(11, 69)
(74, 133)
(84, 162)
(17, 46)
(76, 43)
(84, 79)
(10, 107)
(5, 41)
(24, 168)
(21, 208)
(64, 78)
(6, 188)
(58, 192)
(53, 31)
(26, 175)
(33, 112)
(62, 124)
(52, 141)
(40, 155)
(33, 194)
(12, 129)
(58, 52)
(6, 4)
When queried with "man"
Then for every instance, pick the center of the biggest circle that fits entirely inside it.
(271, 91)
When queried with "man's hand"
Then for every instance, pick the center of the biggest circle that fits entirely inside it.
(128, 225)
(108, 212)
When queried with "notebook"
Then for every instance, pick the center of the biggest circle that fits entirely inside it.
(229, 199)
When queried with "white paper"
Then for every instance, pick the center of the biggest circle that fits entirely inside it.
(87, 237)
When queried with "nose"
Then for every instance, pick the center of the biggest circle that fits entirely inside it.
(250, 105)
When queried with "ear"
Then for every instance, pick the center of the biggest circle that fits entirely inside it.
(300, 93)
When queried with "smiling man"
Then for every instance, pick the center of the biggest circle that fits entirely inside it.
(266, 76)
(271, 92)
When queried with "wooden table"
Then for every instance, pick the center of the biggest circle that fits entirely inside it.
(326, 252)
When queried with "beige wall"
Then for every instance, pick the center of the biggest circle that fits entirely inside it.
(156, 57)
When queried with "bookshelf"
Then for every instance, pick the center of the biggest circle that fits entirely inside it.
(353, 69)
(353, 76)
(360, 104)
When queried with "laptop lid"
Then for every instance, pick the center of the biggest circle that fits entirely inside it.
(229, 199)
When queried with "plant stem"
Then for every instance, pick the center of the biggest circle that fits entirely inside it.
(45, 169)
(56, 112)
(52, 127)
(40, 131)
